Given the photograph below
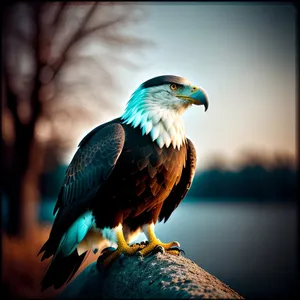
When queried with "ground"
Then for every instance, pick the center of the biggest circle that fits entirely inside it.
(22, 270)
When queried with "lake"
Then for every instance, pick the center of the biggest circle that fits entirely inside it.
(250, 246)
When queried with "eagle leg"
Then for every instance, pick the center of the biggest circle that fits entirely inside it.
(111, 254)
(155, 245)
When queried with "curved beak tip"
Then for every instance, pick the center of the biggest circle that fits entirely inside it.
(204, 100)
(200, 97)
(206, 106)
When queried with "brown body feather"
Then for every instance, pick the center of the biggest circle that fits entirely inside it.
(140, 182)
(123, 177)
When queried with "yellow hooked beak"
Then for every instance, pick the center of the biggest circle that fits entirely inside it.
(196, 95)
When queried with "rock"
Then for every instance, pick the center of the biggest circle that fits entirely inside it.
(155, 276)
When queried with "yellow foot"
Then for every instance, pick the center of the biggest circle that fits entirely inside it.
(157, 246)
(175, 251)
(141, 245)
(109, 255)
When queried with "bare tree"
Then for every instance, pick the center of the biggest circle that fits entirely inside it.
(54, 56)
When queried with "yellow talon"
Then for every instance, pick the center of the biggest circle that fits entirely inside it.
(148, 249)
(175, 252)
(117, 253)
(154, 242)
(123, 248)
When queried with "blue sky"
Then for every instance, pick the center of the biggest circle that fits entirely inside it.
(244, 57)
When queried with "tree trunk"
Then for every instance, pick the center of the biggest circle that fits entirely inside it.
(30, 194)
(12, 183)
(22, 170)
(161, 276)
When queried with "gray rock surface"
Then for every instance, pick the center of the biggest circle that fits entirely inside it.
(155, 276)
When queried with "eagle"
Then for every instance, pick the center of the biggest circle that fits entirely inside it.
(126, 175)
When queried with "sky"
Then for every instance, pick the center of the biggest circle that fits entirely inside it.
(243, 55)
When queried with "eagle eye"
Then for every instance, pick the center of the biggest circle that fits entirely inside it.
(173, 87)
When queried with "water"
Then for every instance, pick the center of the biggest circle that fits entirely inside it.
(250, 246)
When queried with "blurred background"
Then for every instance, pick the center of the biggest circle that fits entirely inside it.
(68, 67)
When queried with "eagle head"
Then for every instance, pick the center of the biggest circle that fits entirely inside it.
(156, 107)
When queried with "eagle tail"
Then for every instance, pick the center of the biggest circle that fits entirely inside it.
(61, 269)
(67, 256)
(69, 252)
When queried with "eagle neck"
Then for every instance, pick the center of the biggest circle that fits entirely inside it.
(164, 126)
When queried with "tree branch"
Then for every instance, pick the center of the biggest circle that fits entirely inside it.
(155, 276)
(57, 66)
(58, 15)
(49, 27)
(103, 26)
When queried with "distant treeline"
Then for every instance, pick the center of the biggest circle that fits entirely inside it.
(254, 181)
(257, 177)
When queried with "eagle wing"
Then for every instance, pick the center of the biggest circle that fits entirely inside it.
(92, 164)
(179, 191)
(90, 167)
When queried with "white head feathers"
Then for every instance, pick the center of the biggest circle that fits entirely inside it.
(158, 113)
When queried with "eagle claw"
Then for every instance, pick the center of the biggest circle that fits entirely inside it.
(104, 254)
(142, 244)
(121, 259)
(138, 253)
(107, 249)
(158, 249)
(145, 243)
(175, 248)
